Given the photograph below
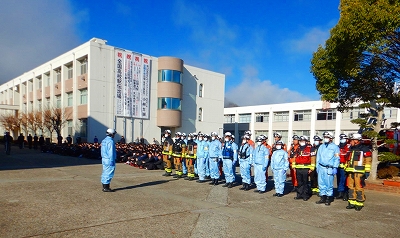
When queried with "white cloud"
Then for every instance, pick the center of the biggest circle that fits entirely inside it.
(254, 91)
(309, 41)
(33, 32)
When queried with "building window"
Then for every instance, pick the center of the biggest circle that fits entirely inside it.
(200, 117)
(284, 137)
(47, 103)
(40, 105)
(39, 83)
(83, 96)
(229, 118)
(168, 75)
(58, 101)
(201, 90)
(83, 128)
(259, 132)
(353, 113)
(329, 114)
(262, 117)
(302, 115)
(390, 113)
(302, 133)
(281, 116)
(245, 118)
(58, 75)
(69, 99)
(47, 78)
(69, 71)
(69, 126)
(169, 103)
(30, 85)
(83, 66)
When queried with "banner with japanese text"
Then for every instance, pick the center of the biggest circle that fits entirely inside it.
(132, 72)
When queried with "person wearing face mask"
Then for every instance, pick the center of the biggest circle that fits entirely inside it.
(250, 141)
(327, 164)
(178, 151)
(265, 143)
(207, 138)
(215, 154)
(244, 153)
(108, 157)
(229, 156)
(344, 147)
(358, 167)
(279, 165)
(293, 151)
(167, 153)
(304, 164)
(184, 168)
(202, 156)
(314, 174)
(190, 157)
(259, 160)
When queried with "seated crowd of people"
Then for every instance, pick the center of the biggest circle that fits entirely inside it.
(136, 154)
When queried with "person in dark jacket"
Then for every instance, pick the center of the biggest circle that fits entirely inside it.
(29, 139)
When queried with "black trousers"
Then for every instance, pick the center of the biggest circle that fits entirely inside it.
(314, 179)
(303, 190)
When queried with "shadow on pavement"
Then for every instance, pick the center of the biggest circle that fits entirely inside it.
(33, 159)
(143, 185)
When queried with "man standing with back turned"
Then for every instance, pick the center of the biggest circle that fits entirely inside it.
(108, 156)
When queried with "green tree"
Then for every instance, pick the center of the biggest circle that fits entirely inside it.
(360, 61)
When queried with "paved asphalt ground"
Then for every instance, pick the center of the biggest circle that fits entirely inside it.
(46, 195)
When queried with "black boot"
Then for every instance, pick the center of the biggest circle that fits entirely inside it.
(247, 188)
(329, 200)
(345, 196)
(340, 195)
(358, 208)
(243, 187)
(212, 182)
(350, 206)
(230, 185)
(225, 185)
(322, 200)
(106, 188)
(216, 182)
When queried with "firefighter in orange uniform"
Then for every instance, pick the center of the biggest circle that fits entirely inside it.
(167, 152)
(191, 152)
(358, 167)
(293, 151)
(303, 165)
(178, 151)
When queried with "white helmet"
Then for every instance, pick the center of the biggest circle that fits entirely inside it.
(110, 131)
(214, 133)
(327, 134)
(356, 136)
(228, 134)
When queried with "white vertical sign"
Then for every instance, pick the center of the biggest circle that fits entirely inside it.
(128, 85)
(145, 88)
(137, 69)
(119, 80)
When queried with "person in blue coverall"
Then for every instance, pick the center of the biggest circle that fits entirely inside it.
(215, 155)
(202, 156)
(244, 154)
(260, 161)
(108, 157)
(327, 163)
(229, 155)
(279, 166)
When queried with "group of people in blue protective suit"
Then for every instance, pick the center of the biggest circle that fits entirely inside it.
(210, 157)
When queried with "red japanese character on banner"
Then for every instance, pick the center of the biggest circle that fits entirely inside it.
(146, 61)
(137, 58)
(119, 54)
(128, 56)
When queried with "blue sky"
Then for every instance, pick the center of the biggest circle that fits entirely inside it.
(263, 47)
